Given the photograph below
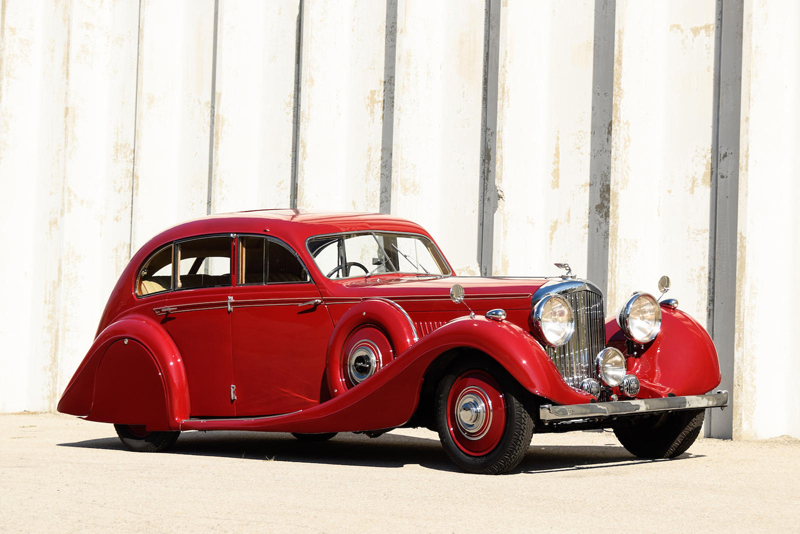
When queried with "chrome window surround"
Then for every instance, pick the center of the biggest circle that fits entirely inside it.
(232, 236)
(276, 240)
(445, 263)
(575, 359)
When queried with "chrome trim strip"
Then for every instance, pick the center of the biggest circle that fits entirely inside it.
(236, 419)
(496, 296)
(554, 413)
(396, 305)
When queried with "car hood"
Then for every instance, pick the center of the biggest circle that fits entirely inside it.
(481, 293)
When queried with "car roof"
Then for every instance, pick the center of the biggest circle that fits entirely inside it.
(291, 225)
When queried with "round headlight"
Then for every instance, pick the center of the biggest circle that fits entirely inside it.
(640, 318)
(610, 366)
(552, 320)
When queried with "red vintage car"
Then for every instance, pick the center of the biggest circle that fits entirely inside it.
(287, 321)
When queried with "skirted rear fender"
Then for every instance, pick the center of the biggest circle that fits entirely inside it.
(133, 374)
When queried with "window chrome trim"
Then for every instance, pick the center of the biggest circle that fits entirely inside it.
(145, 262)
(279, 241)
(373, 232)
(176, 265)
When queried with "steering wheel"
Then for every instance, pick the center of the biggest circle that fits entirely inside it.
(348, 265)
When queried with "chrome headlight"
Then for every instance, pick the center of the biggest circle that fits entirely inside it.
(553, 321)
(640, 318)
(610, 366)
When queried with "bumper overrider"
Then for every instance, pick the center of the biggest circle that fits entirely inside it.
(549, 413)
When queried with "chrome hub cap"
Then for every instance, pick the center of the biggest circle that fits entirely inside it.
(473, 414)
(363, 361)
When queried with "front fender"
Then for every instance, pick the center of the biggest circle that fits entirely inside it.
(681, 361)
(148, 361)
(517, 351)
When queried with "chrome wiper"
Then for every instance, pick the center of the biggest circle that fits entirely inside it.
(409, 260)
(381, 263)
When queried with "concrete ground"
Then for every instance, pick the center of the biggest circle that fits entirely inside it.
(59, 473)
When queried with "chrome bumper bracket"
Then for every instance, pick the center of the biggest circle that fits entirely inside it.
(549, 413)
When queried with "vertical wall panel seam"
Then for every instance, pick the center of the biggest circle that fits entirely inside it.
(298, 78)
(712, 223)
(712, 218)
(725, 204)
(488, 143)
(135, 127)
(603, 61)
(210, 189)
(52, 395)
(387, 113)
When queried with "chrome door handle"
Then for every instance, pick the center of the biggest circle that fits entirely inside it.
(230, 304)
(165, 310)
(315, 303)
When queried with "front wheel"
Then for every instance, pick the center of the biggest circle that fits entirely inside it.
(482, 423)
(666, 436)
(137, 439)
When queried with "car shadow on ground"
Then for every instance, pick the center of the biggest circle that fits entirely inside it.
(386, 451)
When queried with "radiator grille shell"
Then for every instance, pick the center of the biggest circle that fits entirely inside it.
(575, 359)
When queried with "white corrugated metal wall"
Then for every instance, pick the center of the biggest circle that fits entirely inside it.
(519, 133)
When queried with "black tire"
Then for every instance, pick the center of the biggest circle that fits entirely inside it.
(517, 430)
(146, 442)
(314, 437)
(666, 436)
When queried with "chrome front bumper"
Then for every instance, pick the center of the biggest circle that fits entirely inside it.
(601, 410)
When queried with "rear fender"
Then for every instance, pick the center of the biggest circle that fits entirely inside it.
(132, 374)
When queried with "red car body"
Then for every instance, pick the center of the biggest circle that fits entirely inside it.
(265, 357)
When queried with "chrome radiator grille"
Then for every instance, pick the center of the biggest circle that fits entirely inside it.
(575, 360)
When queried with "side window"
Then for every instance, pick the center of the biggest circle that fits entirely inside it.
(283, 265)
(264, 261)
(204, 262)
(252, 260)
(156, 275)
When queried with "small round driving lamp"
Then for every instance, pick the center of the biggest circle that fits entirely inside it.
(610, 366)
(553, 321)
(640, 318)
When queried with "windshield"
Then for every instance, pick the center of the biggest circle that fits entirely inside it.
(368, 253)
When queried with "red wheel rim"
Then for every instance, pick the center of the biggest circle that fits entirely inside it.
(476, 413)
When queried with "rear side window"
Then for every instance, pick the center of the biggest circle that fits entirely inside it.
(156, 275)
(204, 262)
(265, 261)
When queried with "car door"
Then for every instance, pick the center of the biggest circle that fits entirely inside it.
(280, 330)
(198, 318)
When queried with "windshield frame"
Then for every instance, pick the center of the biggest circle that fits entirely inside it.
(441, 261)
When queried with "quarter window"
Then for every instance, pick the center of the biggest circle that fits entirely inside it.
(204, 262)
(156, 275)
(265, 261)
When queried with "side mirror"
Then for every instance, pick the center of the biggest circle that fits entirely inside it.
(663, 285)
(457, 293)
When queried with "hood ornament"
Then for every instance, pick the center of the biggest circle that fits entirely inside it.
(566, 266)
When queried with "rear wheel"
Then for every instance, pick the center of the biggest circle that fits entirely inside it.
(667, 436)
(482, 423)
(136, 438)
(314, 437)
